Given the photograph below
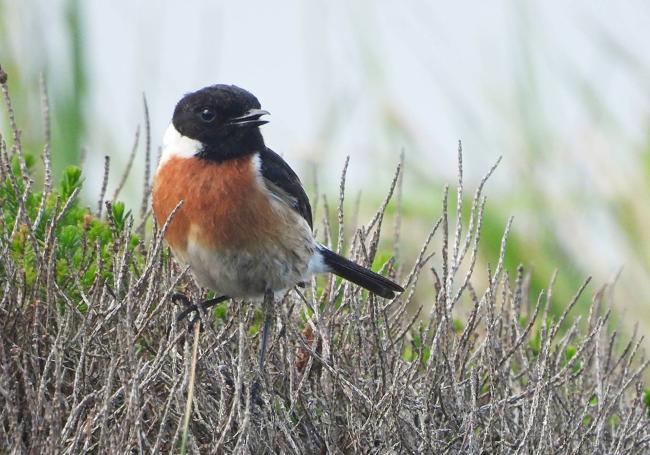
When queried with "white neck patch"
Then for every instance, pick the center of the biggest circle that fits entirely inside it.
(177, 145)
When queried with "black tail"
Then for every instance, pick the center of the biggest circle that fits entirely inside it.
(361, 276)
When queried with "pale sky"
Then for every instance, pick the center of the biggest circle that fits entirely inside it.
(447, 69)
(332, 73)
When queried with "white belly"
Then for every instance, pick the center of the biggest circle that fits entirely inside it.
(240, 273)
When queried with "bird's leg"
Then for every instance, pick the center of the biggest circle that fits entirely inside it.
(191, 308)
(267, 308)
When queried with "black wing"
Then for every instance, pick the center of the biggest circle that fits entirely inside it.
(284, 183)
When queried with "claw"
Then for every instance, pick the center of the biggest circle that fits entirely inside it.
(187, 311)
(182, 298)
(187, 303)
(194, 308)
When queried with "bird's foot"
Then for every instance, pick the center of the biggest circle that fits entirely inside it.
(194, 308)
(189, 307)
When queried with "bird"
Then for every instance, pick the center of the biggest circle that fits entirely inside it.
(244, 224)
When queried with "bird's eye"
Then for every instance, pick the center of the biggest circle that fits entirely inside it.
(207, 115)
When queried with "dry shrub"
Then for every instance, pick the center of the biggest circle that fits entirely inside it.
(93, 360)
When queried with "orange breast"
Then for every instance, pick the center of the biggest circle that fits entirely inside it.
(224, 206)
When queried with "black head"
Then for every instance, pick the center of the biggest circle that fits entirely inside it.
(224, 118)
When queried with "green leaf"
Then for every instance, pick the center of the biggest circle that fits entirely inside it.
(70, 237)
(120, 215)
(221, 311)
(71, 181)
(458, 325)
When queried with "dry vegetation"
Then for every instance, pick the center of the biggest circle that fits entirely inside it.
(93, 360)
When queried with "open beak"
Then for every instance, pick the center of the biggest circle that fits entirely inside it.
(250, 119)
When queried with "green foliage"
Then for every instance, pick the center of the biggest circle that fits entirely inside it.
(220, 311)
(569, 354)
(416, 349)
(458, 326)
(81, 243)
(256, 326)
(70, 181)
(119, 215)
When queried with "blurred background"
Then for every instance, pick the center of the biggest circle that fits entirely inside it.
(559, 89)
